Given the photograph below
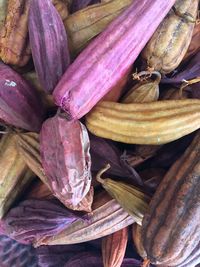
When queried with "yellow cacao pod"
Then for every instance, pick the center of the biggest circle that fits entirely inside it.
(152, 123)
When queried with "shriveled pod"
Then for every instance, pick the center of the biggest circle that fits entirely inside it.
(29, 149)
(171, 40)
(145, 91)
(173, 234)
(64, 147)
(97, 69)
(145, 123)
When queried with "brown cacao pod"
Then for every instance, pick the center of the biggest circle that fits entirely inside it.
(114, 248)
(14, 44)
(171, 228)
(170, 42)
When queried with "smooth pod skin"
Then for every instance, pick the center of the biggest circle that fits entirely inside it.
(48, 41)
(152, 123)
(171, 228)
(102, 64)
(170, 42)
(20, 104)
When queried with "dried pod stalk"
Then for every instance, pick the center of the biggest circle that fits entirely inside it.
(14, 43)
(145, 91)
(134, 201)
(114, 248)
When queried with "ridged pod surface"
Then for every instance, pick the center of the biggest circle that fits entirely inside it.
(170, 42)
(102, 64)
(153, 123)
(171, 228)
(107, 217)
(114, 248)
(48, 41)
(15, 174)
(84, 25)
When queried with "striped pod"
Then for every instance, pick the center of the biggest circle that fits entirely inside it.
(152, 123)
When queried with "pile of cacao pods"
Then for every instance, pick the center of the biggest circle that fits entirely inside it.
(99, 133)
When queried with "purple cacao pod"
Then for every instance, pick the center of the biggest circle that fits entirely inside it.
(34, 219)
(108, 57)
(64, 147)
(20, 105)
(13, 254)
(49, 45)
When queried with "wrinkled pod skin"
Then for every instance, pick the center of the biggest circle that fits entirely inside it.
(171, 228)
(64, 147)
(169, 44)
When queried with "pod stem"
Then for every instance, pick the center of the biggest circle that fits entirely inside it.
(147, 74)
(185, 83)
(99, 174)
(146, 263)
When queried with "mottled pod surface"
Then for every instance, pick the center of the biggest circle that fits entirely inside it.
(171, 228)
(170, 42)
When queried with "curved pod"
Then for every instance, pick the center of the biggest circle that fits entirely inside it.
(152, 123)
